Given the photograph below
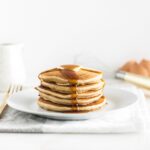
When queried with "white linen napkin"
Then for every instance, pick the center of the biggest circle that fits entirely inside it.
(132, 119)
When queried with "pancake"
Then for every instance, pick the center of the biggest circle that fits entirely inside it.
(86, 76)
(88, 94)
(72, 89)
(47, 105)
(74, 101)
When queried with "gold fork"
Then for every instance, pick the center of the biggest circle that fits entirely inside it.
(11, 90)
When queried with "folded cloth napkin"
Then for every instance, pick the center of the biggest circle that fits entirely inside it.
(132, 119)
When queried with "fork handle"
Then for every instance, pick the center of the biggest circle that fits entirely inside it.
(3, 105)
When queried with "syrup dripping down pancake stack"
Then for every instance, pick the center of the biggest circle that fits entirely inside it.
(71, 88)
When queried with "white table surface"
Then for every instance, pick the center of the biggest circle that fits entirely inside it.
(136, 141)
(75, 141)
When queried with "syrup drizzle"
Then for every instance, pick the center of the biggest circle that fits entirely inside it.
(69, 72)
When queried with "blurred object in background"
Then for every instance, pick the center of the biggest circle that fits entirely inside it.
(12, 69)
(146, 64)
(134, 78)
(141, 68)
(136, 73)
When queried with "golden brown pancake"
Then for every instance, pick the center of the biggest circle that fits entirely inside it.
(79, 101)
(71, 88)
(89, 94)
(47, 105)
(86, 76)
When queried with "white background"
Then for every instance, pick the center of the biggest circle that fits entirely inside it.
(54, 31)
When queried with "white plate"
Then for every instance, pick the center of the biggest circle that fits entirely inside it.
(117, 99)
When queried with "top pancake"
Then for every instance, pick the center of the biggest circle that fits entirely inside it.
(76, 75)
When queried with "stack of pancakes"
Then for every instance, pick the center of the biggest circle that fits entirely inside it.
(71, 88)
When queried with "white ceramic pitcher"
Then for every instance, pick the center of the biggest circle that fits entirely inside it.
(12, 69)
